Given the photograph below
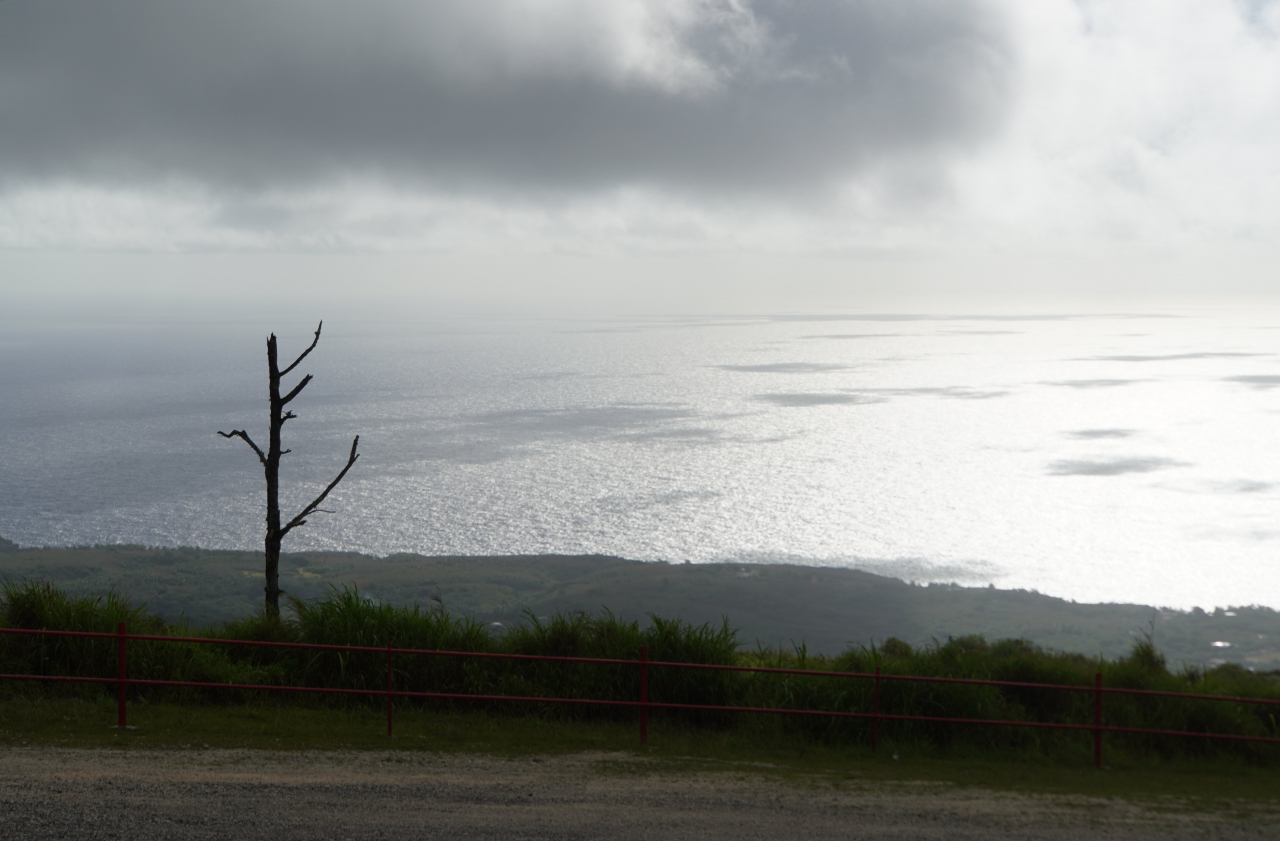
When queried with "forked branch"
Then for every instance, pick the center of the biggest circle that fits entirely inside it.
(301, 519)
(297, 389)
(240, 433)
(314, 342)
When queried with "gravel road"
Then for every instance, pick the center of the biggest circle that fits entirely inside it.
(48, 793)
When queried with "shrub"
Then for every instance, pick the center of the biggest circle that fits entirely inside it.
(344, 617)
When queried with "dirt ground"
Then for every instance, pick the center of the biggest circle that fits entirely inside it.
(50, 793)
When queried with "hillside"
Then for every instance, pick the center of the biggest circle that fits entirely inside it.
(827, 609)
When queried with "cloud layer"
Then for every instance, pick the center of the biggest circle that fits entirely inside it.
(772, 96)
(1048, 141)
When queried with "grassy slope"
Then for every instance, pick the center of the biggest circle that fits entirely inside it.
(825, 608)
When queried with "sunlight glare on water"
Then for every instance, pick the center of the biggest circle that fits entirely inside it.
(1100, 458)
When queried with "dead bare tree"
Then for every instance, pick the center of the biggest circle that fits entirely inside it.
(271, 466)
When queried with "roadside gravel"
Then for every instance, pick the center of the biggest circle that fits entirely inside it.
(48, 793)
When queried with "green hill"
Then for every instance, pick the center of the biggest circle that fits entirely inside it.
(777, 605)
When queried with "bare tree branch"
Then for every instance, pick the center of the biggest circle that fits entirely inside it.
(240, 433)
(301, 518)
(296, 389)
(271, 468)
(314, 342)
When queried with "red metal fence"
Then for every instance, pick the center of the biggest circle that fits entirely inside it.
(642, 703)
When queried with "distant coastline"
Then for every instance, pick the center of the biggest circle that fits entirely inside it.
(775, 605)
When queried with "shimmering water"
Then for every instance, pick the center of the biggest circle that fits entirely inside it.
(1115, 457)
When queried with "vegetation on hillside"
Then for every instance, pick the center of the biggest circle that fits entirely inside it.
(345, 617)
(825, 609)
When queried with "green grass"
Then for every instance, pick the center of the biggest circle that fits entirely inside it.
(1215, 785)
(778, 604)
(345, 617)
(270, 725)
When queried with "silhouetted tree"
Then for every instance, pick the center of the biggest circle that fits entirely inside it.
(271, 467)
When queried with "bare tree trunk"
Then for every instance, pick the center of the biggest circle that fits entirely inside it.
(271, 467)
(271, 546)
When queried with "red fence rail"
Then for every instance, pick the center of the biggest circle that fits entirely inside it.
(642, 703)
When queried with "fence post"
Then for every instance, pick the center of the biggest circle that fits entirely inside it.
(389, 690)
(875, 712)
(1097, 720)
(121, 657)
(644, 694)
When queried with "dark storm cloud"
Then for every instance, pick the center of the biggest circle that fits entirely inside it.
(759, 96)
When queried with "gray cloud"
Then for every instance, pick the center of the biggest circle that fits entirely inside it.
(1090, 434)
(802, 399)
(1245, 486)
(981, 332)
(533, 425)
(898, 317)
(497, 436)
(1110, 467)
(785, 368)
(954, 392)
(1094, 383)
(853, 336)
(762, 96)
(1257, 380)
(1175, 356)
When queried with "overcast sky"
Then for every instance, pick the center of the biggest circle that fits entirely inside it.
(660, 154)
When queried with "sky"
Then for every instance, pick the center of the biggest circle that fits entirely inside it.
(174, 156)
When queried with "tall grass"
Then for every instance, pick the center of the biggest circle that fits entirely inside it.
(1019, 661)
(36, 605)
(344, 617)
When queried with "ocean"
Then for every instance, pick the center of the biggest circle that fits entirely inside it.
(1094, 456)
